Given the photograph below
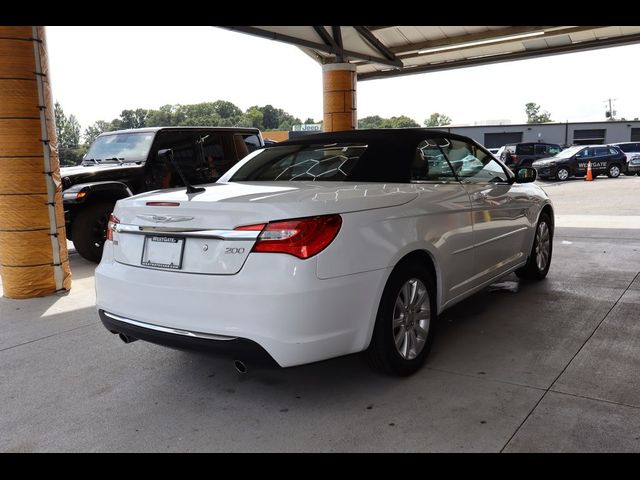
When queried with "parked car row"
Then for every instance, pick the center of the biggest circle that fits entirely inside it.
(552, 161)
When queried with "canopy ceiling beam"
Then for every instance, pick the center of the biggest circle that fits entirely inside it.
(315, 45)
(499, 58)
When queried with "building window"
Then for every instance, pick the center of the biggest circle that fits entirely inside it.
(635, 135)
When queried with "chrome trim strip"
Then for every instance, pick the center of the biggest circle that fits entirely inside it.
(490, 240)
(180, 232)
(489, 270)
(176, 331)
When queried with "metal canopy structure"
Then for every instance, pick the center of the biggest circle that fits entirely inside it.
(386, 51)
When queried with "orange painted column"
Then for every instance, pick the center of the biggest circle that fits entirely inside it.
(33, 251)
(339, 97)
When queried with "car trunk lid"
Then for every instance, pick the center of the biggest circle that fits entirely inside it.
(194, 233)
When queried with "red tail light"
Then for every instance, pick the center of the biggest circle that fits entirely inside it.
(301, 237)
(113, 221)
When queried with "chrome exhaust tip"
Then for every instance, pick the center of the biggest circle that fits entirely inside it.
(241, 367)
(126, 338)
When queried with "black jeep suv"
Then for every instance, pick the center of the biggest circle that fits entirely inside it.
(517, 155)
(126, 162)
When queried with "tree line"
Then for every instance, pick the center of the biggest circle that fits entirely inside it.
(73, 143)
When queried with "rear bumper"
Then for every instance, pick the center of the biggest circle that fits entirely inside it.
(236, 348)
(276, 301)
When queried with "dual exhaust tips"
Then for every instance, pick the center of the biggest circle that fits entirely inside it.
(239, 365)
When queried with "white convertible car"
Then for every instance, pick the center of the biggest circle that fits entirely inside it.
(323, 246)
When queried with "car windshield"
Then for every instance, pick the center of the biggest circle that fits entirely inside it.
(331, 162)
(569, 152)
(121, 147)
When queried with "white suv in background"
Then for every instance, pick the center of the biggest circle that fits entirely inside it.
(632, 151)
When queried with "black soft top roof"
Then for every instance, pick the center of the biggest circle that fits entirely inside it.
(389, 153)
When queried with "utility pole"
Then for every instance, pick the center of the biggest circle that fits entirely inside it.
(610, 114)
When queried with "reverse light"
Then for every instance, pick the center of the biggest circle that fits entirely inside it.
(113, 221)
(300, 237)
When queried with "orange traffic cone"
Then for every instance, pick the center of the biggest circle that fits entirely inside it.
(589, 176)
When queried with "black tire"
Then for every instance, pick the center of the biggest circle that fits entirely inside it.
(532, 271)
(558, 174)
(382, 354)
(613, 171)
(89, 230)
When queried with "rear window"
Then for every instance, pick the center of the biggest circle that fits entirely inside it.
(629, 147)
(332, 162)
(554, 149)
(526, 149)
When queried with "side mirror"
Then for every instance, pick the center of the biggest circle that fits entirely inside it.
(526, 175)
(164, 154)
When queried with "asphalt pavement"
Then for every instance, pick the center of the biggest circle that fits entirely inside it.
(520, 367)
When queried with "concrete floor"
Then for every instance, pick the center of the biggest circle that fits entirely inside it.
(550, 366)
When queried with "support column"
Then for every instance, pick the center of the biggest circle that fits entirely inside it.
(339, 95)
(33, 251)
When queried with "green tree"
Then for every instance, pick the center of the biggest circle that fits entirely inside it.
(269, 117)
(60, 119)
(255, 117)
(533, 113)
(437, 119)
(226, 109)
(70, 151)
(204, 114)
(67, 129)
(71, 133)
(309, 121)
(92, 131)
(133, 118)
(400, 122)
(374, 121)
(163, 117)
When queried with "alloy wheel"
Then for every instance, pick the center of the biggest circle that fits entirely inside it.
(543, 245)
(411, 319)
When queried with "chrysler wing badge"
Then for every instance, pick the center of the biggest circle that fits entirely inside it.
(164, 218)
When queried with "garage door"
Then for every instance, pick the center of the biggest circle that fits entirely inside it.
(588, 137)
(495, 140)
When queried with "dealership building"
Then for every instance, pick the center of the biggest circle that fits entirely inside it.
(565, 134)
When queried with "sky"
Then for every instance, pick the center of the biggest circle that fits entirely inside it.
(96, 72)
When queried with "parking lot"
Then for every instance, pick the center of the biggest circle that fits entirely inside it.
(551, 366)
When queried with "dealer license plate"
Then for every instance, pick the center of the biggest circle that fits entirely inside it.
(162, 252)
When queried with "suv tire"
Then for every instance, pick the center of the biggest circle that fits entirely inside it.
(89, 230)
(614, 171)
